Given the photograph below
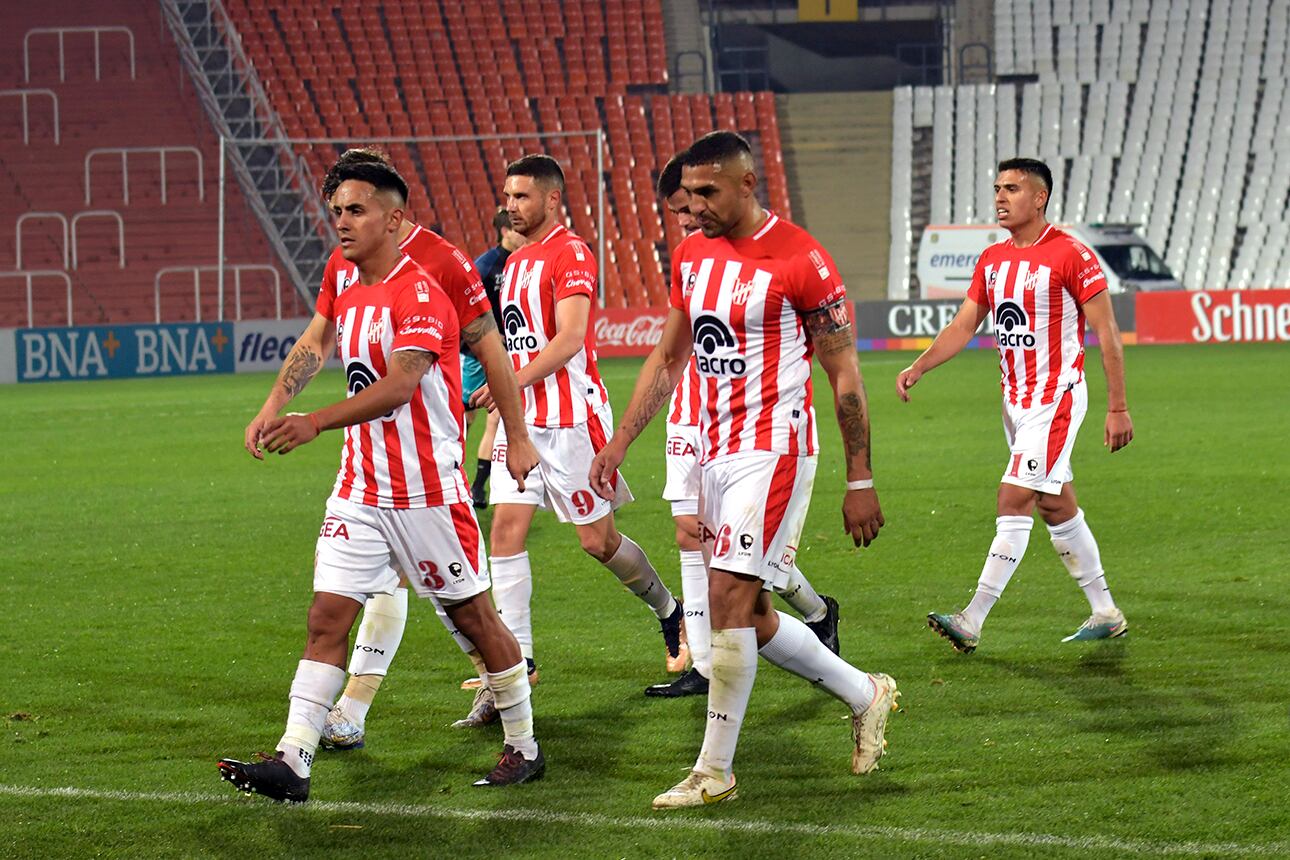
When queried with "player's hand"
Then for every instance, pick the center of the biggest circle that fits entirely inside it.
(521, 458)
(483, 398)
(862, 515)
(604, 469)
(1119, 430)
(907, 379)
(254, 432)
(287, 433)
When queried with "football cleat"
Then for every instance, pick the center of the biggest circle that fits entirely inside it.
(479, 495)
(682, 659)
(513, 769)
(954, 628)
(340, 732)
(270, 776)
(697, 789)
(482, 711)
(689, 684)
(826, 629)
(868, 726)
(1101, 625)
(475, 683)
(671, 626)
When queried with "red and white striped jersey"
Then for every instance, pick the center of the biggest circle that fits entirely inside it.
(744, 299)
(686, 404)
(1036, 296)
(450, 268)
(536, 278)
(411, 457)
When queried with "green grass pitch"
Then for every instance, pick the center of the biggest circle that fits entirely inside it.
(154, 580)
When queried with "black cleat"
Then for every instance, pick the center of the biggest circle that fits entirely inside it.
(270, 776)
(672, 630)
(479, 495)
(826, 629)
(689, 684)
(513, 769)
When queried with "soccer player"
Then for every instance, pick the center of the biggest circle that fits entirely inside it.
(1040, 285)
(548, 287)
(684, 441)
(490, 266)
(385, 616)
(754, 297)
(400, 497)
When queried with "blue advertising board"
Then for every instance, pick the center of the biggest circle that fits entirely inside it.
(123, 351)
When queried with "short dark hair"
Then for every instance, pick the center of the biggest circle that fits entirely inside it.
(542, 168)
(357, 155)
(1034, 167)
(669, 178)
(378, 174)
(501, 221)
(716, 146)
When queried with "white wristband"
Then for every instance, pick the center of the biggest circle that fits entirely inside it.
(866, 484)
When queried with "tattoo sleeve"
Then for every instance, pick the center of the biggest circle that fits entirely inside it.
(414, 361)
(854, 422)
(829, 328)
(475, 330)
(656, 393)
(301, 366)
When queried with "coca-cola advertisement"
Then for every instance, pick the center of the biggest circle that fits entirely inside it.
(628, 331)
(1213, 316)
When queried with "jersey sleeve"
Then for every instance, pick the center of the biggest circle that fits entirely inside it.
(1084, 275)
(460, 280)
(976, 290)
(327, 289)
(420, 315)
(814, 280)
(574, 272)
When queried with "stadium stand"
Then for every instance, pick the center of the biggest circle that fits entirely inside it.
(114, 242)
(467, 69)
(1161, 114)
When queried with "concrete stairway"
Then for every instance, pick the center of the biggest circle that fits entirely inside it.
(837, 156)
(684, 33)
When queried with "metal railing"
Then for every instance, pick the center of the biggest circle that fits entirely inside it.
(125, 151)
(237, 270)
(678, 74)
(30, 216)
(26, 125)
(100, 213)
(42, 273)
(63, 31)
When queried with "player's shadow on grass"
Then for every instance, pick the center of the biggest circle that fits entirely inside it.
(1177, 725)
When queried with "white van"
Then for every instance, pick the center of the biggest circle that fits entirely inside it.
(948, 253)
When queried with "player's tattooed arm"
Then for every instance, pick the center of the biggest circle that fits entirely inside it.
(656, 389)
(853, 419)
(301, 366)
(478, 328)
(413, 362)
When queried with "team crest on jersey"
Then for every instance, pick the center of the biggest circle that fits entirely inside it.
(423, 292)
(742, 290)
(376, 330)
(1031, 281)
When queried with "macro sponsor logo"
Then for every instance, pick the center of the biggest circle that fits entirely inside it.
(516, 332)
(711, 336)
(1007, 317)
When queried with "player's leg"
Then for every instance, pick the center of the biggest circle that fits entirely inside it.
(624, 558)
(507, 682)
(694, 596)
(1075, 545)
(484, 462)
(819, 611)
(385, 617)
(512, 574)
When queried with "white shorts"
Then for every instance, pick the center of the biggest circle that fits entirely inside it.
(752, 508)
(1041, 438)
(683, 473)
(362, 549)
(560, 481)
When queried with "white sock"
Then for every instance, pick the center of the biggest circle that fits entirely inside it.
(511, 692)
(1010, 540)
(698, 626)
(734, 668)
(633, 570)
(312, 692)
(799, 594)
(795, 648)
(384, 618)
(1075, 544)
(512, 592)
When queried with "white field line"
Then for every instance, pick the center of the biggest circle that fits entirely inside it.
(717, 821)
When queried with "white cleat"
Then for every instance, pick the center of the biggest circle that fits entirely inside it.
(697, 789)
(483, 710)
(868, 726)
(340, 732)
